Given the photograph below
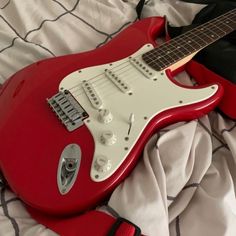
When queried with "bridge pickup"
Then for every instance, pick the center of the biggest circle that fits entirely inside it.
(147, 71)
(68, 110)
(92, 95)
(120, 83)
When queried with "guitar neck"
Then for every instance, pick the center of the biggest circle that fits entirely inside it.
(191, 42)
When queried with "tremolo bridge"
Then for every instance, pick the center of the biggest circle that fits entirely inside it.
(68, 110)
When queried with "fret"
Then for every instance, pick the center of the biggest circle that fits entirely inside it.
(214, 29)
(164, 57)
(218, 31)
(204, 33)
(167, 54)
(159, 63)
(197, 40)
(161, 56)
(155, 62)
(223, 26)
(181, 45)
(210, 34)
(202, 38)
(156, 56)
(186, 46)
(228, 23)
(174, 56)
(174, 48)
(149, 56)
(226, 27)
(192, 41)
(189, 38)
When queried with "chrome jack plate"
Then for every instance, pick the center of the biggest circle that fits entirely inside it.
(68, 168)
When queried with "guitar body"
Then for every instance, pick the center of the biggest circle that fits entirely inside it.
(33, 142)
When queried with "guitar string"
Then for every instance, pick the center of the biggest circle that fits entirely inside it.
(101, 85)
(105, 80)
(181, 39)
(129, 78)
(112, 90)
(102, 79)
(217, 19)
(96, 78)
(200, 27)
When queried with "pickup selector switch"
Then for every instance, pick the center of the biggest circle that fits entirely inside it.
(108, 138)
(105, 116)
(102, 164)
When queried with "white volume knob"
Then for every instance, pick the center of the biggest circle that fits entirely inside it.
(102, 164)
(105, 116)
(108, 137)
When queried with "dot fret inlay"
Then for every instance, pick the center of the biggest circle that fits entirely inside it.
(190, 42)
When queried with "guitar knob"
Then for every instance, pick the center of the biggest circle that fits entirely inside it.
(105, 116)
(102, 164)
(108, 138)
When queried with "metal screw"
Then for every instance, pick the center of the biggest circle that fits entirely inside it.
(63, 190)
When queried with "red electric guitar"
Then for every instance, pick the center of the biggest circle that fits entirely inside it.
(73, 127)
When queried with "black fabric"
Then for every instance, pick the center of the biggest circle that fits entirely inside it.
(207, 1)
(139, 8)
(219, 57)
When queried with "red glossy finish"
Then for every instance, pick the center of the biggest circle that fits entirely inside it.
(32, 139)
(204, 76)
(88, 224)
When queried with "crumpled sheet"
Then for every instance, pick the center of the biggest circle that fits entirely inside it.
(184, 183)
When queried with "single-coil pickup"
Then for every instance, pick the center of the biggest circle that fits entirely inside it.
(118, 81)
(91, 94)
(143, 68)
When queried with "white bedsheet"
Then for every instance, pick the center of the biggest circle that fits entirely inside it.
(185, 183)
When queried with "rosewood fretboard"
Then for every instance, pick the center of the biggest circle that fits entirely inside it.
(190, 42)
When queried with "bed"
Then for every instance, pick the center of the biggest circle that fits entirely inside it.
(184, 184)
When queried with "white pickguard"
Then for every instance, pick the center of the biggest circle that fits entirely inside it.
(149, 98)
